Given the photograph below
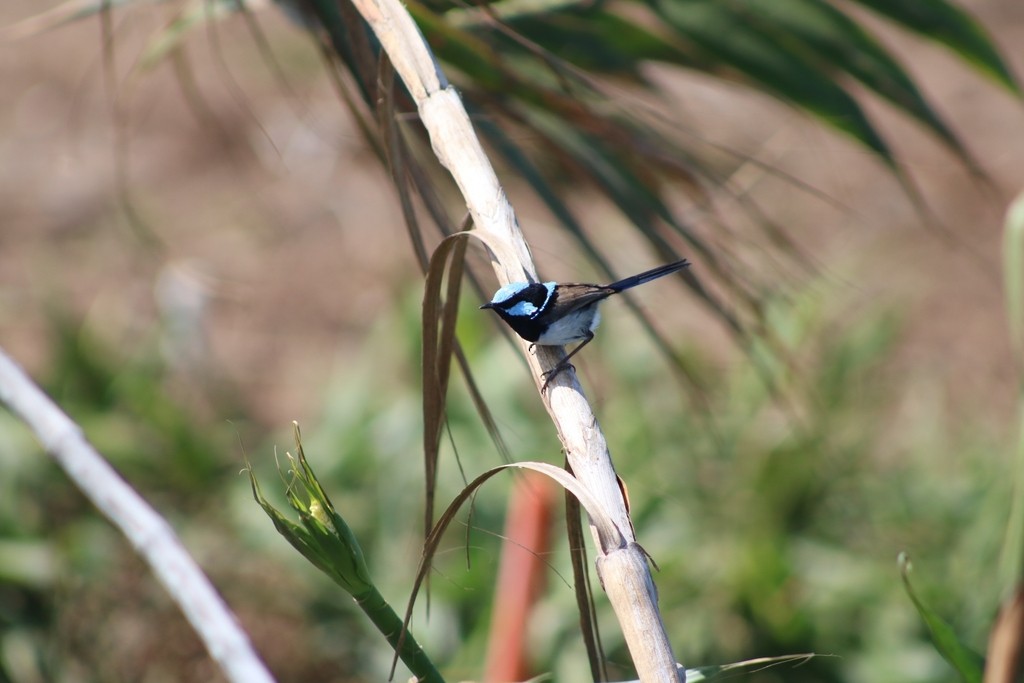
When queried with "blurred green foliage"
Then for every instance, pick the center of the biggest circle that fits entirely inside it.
(775, 515)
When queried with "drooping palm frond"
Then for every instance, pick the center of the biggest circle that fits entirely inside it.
(544, 80)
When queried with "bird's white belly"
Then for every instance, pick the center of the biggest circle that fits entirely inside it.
(574, 327)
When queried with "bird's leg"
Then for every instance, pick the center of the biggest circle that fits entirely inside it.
(564, 363)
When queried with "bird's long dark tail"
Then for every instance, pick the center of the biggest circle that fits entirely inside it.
(649, 275)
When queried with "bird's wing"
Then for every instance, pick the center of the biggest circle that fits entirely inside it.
(573, 296)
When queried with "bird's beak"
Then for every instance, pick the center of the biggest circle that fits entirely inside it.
(487, 305)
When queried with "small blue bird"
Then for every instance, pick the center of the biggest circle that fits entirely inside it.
(553, 314)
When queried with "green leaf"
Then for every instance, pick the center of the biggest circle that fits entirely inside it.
(834, 43)
(1011, 563)
(1013, 272)
(728, 34)
(951, 26)
(968, 663)
(604, 42)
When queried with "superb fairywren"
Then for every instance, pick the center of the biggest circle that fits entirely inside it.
(554, 314)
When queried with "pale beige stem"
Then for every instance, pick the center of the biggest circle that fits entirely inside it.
(623, 570)
(149, 534)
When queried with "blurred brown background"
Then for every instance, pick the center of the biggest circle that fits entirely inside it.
(254, 193)
(253, 238)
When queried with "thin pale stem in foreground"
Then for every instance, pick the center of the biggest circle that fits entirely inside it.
(147, 531)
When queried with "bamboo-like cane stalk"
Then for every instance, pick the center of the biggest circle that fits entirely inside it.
(623, 569)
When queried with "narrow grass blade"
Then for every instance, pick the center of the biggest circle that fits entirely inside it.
(1012, 556)
(583, 591)
(173, 35)
(968, 663)
(609, 535)
(1013, 273)
(439, 319)
(729, 672)
(406, 171)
